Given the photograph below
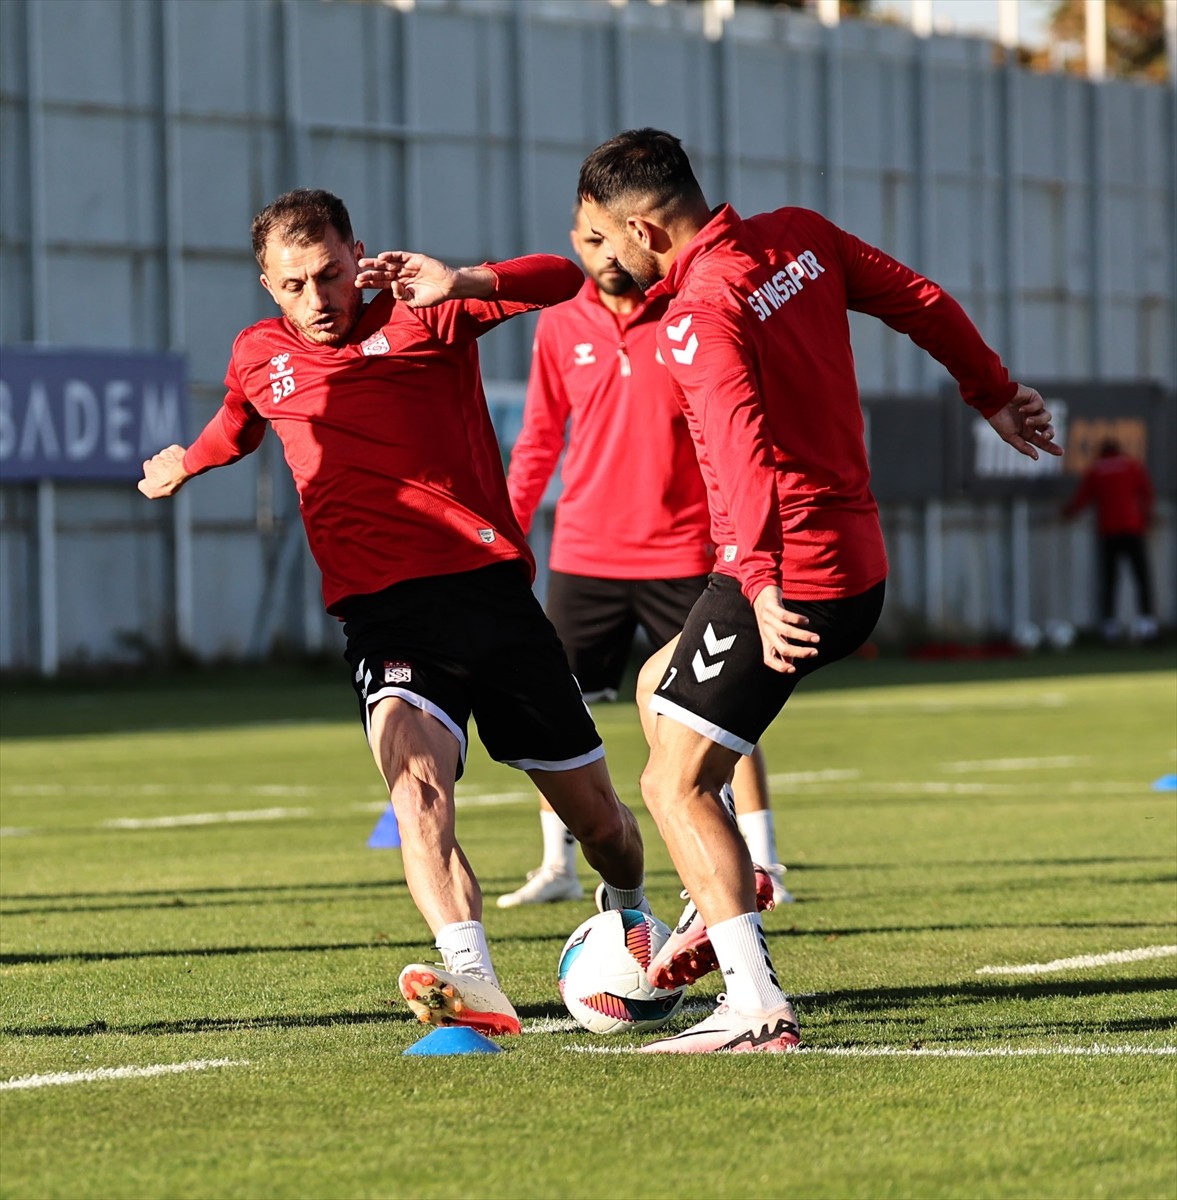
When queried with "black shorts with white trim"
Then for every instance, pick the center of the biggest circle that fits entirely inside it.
(476, 643)
(717, 683)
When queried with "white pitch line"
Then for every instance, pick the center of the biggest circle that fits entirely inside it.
(1096, 1051)
(160, 789)
(213, 818)
(38, 1081)
(1018, 764)
(830, 776)
(1083, 960)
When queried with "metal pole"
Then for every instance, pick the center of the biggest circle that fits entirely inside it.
(173, 224)
(39, 278)
(1007, 23)
(1096, 37)
(1019, 547)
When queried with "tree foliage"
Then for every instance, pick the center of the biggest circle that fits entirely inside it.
(1135, 37)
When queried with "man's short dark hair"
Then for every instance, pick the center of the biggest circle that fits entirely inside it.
(300, 217)
(650, 163)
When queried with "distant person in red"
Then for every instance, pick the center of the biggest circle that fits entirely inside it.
(383, 421)
(1121, 491)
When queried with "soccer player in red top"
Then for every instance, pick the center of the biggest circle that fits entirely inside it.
(757, 341)
(1119, 487)
(632, 541)
(384, 425)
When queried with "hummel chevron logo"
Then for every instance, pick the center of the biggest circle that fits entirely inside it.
(676, 333)
(715, 645)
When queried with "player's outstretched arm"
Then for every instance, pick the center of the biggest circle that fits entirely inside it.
(784, 635)
(1025, 423)
(164, 474)
(421, 281)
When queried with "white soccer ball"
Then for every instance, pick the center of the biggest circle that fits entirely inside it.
(1027, 636)
(602, 973)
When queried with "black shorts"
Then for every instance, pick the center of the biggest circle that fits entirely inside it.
(717, 683)
(597, 618)
(476, 642)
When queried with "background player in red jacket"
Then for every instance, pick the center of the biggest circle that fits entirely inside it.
(757, 340)
(1119, 487)
(384, 425)
(632, 541)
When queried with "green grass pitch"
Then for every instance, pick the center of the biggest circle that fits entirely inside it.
(184, 880)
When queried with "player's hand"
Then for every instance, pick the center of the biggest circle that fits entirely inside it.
(784, 635)
(164, 474)
(416, 279)
(1025, 424)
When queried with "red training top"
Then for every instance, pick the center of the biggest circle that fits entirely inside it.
(1121, 491)
(757, 341)
(388, 437)
(634, 505)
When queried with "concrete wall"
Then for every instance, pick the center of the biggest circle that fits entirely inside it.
(140, 136)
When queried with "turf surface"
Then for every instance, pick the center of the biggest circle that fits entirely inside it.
(184, 880)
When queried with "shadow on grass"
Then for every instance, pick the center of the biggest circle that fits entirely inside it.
(211, 1024)
(229, 696)
(165, 899)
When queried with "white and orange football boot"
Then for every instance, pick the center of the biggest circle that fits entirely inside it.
(441, 997)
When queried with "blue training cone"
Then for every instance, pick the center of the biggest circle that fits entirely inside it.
(386, 834)
(1166, 783)
(454, 1039)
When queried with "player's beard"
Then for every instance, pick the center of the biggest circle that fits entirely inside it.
(337, 330)
(641, 266)
(615, 281)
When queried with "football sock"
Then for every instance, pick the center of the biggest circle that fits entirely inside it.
(759, 833)
(559, 844)
(464, 950)
(748, 975)
(628, 897)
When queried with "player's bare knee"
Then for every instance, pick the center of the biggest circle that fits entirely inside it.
(648, 679)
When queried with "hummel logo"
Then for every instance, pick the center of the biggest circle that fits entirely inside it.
(676, 333)
(715, 645)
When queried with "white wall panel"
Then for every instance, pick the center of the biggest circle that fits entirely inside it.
(460, 130)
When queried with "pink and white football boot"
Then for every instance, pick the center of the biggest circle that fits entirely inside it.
(774, 1031)
(687, 954)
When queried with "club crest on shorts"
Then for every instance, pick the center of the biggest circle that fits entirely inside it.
(487, 535)
(398, 672)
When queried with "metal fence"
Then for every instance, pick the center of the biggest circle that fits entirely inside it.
(140, 136)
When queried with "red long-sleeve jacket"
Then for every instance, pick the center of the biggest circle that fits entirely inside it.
(633, 504)
(398, 471)
(757, 341)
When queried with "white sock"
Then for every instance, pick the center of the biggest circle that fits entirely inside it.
(759, 832)
(559, 844)
(464, 950)
(748, 975)
(628, 897)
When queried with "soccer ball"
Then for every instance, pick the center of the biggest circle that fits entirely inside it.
(602, 973)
